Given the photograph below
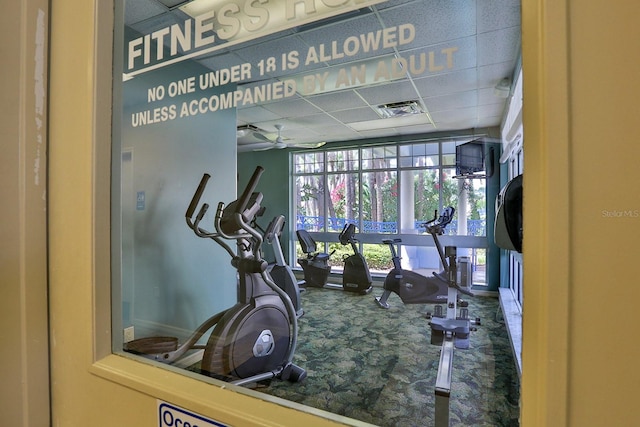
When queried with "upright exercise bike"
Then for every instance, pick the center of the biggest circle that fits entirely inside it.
(412, 287)
(254, 340)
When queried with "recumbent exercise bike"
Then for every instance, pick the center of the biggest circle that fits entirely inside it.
(315, 264)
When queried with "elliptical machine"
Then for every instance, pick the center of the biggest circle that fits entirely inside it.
(414, 288)
(254, 340)
(280, 271)
(355, 275)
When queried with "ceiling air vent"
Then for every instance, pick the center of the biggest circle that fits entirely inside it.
(399, 109)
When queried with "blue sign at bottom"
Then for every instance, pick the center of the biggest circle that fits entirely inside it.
(172, 416)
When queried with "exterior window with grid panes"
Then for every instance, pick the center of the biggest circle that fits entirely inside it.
(386, 189)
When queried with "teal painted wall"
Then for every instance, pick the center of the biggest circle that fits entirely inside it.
(173, 280)
(274, 185)
(493, 251)
(504, 254)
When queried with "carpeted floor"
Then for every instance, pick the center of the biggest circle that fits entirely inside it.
(377, 365)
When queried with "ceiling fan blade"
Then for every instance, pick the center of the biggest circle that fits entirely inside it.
(262, 148)
(308, 144)
(258, 135)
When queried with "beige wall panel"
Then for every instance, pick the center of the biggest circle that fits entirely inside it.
(24, 366)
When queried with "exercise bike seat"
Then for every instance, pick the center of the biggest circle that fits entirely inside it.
(315, 265)
(346, 235)
(309, 247)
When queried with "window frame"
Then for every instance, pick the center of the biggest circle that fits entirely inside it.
(325, 237)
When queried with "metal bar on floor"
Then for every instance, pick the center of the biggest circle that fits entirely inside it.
(443, 382)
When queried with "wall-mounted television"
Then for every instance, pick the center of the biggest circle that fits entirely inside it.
(470, 158)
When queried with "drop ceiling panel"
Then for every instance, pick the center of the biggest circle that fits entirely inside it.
(140, 10)
(498, 46)
(497, 14)
(443, 84)
(261, 52)
(221, 60)
(317, 121)
(340, 32)
(356, 115)
(487, 96)
(452, 101)
(380, 133)
(292, 108)
(435, 21)
(460, 115)
(338, 130)
(490, 75)
(157, 21)
(256, 114)
(337, 101)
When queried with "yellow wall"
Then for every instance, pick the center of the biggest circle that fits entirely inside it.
(580, 61)
(604, 248)
(24, 396)
(580, 102)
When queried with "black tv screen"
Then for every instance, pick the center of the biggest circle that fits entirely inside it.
(469, 158)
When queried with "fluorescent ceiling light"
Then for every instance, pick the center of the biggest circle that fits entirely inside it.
(411, 120)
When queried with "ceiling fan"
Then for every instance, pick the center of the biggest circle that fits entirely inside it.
(277, 143)
(267, 142)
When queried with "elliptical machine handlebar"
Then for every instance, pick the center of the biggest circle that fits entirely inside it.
(248, 190)
(239, 214)
(195, 200)
(439, 223)
(230, 222)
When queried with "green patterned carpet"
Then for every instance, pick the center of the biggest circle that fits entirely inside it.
(377, 365)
